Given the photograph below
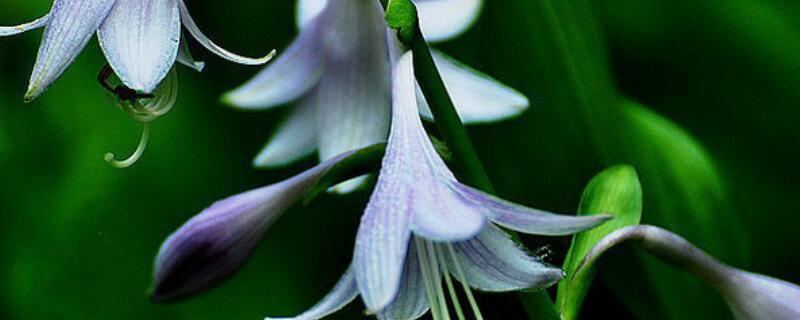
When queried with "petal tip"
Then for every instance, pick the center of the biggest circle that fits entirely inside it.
(31, 94)
(263, 60)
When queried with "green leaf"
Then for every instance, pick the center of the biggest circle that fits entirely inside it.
(685, 193)
(615, 191)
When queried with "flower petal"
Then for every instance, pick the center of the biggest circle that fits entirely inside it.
(190, 25)
(753, 296)
(343, 293)
(527, 220)
(381, 248)
(411, 301)
(141, 39)
(307, 10)
(72, 23)
(185, 58)
(294, 139)
(292, 75)
(411, 163)
(445, 19)
(493, 262)
(217, 242)
(354, 90)
(25, 27)
(478, 98)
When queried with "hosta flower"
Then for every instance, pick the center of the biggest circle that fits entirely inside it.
(751, 296)
(420, 226)
(214, 244)
(339, 72)
(140, 39)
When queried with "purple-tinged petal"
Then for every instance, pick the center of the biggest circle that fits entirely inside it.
(140, 39)
(754, 297)
(524, 219)
(72, 23)
(381, 247)
(292, 75)
(445, 19)
(493, 262)
(751, 296)
(411, 301)
(342, 294)
(307, 10)
(478, 98)
(24, 27)
(191, 26)
(412, 166)
(295, 138)
(216, 243)
(185, 58)
(354, 92)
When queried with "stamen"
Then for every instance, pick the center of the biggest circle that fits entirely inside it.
(429, 278)
(450, 288)
(109, 157)
(467, 290)
(150, 110)
(437, 280)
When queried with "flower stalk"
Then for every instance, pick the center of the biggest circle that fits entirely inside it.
(401, 15)
(470, 168)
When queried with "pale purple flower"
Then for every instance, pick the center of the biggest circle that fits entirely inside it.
(140, 38)
(422, 224)
(751, 296)
(338, 70)
(215, 243)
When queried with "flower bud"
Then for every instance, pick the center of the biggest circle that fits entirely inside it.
(216, 243)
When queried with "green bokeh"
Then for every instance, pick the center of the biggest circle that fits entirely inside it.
(77, 237)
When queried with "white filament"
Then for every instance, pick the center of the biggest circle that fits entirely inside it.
(151, 110)
(472, 303)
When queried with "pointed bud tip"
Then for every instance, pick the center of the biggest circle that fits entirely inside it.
(228, 99)
(29, 97)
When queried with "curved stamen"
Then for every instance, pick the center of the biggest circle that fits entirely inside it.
(147, 111)
(109, 157)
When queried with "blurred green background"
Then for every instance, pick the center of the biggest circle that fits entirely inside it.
(698, 95)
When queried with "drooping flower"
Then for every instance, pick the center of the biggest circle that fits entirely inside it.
(215, 243)
(750, 296)
(339, 72)
(140, 38)
(420, 226)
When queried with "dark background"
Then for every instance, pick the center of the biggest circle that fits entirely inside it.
(77, 237)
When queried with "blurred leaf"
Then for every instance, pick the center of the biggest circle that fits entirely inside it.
(684, 192)
(683, 188)
(615, 191)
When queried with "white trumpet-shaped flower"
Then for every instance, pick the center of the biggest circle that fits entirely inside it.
(140, 38)
(420, 226)
(338, 70)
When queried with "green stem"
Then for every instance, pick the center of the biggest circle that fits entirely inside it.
(469, 167)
